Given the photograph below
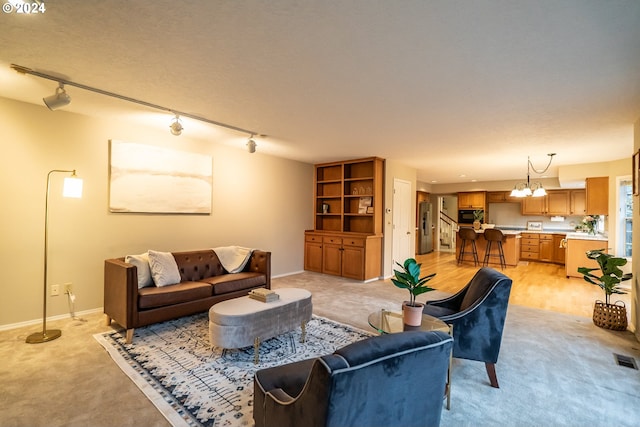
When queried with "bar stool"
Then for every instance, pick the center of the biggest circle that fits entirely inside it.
(468, 235)
(494, 237)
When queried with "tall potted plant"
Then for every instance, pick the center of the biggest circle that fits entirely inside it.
(605, 314)
(478, 216)
(409, 278)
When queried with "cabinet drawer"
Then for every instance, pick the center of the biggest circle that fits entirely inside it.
(334, 240)
(353, 242)
(530, 248)
(529, 255)
(312, 238)
(529, 241)
(546, 237)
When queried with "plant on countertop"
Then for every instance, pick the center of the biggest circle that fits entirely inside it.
(611, 273)
(589, 224)
(478, 215)
(409, 278)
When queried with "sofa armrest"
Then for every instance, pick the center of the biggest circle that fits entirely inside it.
(260, 262)
(121, 292)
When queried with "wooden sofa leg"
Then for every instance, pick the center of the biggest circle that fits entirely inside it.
(491, 371)
(107, 320)
(129, 337)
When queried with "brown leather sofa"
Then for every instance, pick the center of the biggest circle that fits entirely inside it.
(203, 282)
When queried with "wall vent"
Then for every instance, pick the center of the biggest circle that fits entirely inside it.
(626, 361)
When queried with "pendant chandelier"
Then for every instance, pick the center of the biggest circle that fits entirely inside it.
(528, 189)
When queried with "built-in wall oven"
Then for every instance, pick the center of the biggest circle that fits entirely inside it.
(465, 216)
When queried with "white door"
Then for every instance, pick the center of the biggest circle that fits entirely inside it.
(403, 222)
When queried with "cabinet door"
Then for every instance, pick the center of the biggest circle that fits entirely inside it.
(313, 256)
(558, 251)
(558, 203)
(332, 259)
(578, 202)
(545, 252)
(496, 197)
(533, 205)
(597, 192)
(353, 262)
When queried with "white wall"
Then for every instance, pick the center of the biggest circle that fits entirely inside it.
(259, 201)
(635, 259)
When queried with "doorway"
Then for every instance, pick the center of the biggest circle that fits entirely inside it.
(403, 243)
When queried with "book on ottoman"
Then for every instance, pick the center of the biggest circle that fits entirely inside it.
(264, 295)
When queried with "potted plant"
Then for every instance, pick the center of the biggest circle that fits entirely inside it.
(605, 314)
(409, 278)
(478, 216)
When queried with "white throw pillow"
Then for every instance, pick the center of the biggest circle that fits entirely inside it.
(142, 264)
(164, 269)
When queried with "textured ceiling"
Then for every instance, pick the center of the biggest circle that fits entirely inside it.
(448, 87)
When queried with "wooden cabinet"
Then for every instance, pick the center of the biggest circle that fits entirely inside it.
(556, 202)
(357, 256)
(529, 246)
(597, 195)
(545, 251)
(472, 200)
(501, 197)
(559, 248)
(576, 255)
(578, 202)
(348, 206)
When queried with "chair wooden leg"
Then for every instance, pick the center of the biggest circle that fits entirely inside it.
(491, 371)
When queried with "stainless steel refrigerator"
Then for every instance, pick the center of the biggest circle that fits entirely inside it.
(425, 234)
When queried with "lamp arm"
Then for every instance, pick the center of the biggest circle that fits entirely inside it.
(529, 164)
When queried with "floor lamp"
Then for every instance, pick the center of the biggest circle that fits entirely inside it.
(72, 188)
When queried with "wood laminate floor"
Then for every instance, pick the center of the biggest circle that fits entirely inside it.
(535, 284)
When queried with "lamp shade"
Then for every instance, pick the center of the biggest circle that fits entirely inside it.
(59, 99)
(72, 187)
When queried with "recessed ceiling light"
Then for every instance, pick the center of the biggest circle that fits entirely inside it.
(462, 176)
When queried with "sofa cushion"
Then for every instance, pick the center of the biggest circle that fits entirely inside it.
(154, 297)
(164, 269)
(197, 265)
(235, 282)
(142, 266)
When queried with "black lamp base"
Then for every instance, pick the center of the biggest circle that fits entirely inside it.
(48, 335)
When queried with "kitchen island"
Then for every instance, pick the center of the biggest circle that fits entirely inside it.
(577, 244)
(510, 246)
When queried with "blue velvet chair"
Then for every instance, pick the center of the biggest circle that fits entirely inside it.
(477, 313)
(387, 380)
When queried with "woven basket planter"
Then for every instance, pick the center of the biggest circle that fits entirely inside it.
(610, 316)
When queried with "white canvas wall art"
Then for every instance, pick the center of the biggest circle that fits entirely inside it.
(149, 179)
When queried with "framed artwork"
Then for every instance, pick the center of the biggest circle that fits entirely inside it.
(534, 225)
(151, 179)
(636, 172)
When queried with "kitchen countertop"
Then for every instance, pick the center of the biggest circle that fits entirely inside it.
(570, 233)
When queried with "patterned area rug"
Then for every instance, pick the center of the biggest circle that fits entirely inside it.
(193, 384)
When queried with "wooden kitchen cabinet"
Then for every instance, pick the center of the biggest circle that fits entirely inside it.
(313, 252)
(576, 255)
(545, 251)
(472, 200)
(501, 197)
(597, 195)
(530, 246)
(556, 202)
(559, 248)
(578, 202)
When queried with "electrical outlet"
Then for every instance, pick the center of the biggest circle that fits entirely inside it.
(68, 288)
(55, 290)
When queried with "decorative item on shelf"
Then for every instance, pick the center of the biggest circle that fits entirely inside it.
(605, 314)
(325, 208)
(589, 224)
(409, 278)
(365, 202)
(478, 216)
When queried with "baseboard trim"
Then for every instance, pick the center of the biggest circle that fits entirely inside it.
(11, 326)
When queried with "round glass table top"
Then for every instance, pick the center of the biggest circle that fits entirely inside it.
(389, 322)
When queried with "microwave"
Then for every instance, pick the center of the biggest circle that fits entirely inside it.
(465, 216)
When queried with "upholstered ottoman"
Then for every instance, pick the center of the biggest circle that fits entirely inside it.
(244, 321)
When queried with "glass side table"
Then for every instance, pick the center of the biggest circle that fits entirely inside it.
(390, 322)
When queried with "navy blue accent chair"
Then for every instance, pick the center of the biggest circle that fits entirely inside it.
(477, 313)
(387, 380)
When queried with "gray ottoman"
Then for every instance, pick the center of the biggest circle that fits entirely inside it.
(241, 322)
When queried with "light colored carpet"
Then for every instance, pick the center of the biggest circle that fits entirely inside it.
(554, 369)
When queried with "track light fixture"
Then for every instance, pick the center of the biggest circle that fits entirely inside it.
(58, 99)
(61, 99)
(251, 145)
(527, 189)
(176, 126)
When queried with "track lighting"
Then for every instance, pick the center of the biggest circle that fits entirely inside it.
(251, 145)
(57, 100)
(176, 126)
